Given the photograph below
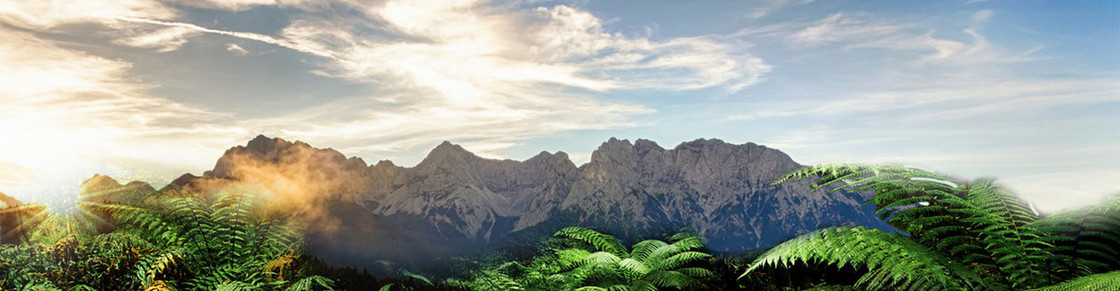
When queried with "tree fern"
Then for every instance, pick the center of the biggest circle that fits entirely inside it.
(584, 259)
(648, 265)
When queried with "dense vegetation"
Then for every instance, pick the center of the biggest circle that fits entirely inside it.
(584, 259)
(954, 235)
(222, 241)
(957, 235)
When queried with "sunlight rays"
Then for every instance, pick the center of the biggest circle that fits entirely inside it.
(17, 221)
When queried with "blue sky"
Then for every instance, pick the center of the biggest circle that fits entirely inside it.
(1027, 92)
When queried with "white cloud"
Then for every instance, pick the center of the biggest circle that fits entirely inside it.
(163, 40)
(462, 47)
(47, 14)
(861, 30)
(845, 27)
(485, 75)
(243, 35)
(236, 49)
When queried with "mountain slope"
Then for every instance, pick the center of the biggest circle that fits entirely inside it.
(454, 199)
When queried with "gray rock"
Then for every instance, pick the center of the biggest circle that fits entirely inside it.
(720, 190)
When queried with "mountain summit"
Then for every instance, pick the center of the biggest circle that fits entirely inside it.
(453, 197)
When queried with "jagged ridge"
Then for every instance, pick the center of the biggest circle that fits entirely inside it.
(718, 189)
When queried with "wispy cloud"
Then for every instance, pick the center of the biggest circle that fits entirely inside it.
(236, 49)
(863, 30)
(844, 27)
(48, 14)
(489, 75)
(163, 40)
(243, 35)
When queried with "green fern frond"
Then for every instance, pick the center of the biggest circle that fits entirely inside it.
(312, 283)
(680, 259)
(416, 276)
(643, 249)
(978, 224)
(894, 261)
(1084, 240)
(599, 241)
(1103, 281)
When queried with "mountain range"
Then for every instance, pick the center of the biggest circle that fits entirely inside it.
(454, 202)
(454, 199)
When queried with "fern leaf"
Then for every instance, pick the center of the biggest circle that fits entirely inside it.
(893, 260)
(601, 242)
(1103, 281)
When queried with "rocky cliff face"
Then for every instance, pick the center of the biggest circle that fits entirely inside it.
(463, 195)
(722, 191)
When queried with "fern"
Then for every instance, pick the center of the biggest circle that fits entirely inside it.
(1104, 281)
(649, 265)
(593, 238)
(218, 238)
(584, 259)
(894, 261)
(1084, 241)
(991, 232)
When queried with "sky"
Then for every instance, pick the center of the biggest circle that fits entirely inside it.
(1027, 92)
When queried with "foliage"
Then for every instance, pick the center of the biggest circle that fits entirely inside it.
(596, 261)
(220, 241)
(971, 235)
(1103, 281)
(1085, 241)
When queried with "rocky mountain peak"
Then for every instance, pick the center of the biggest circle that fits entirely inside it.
(447, 153)
(282, 154)
(643, 146)
(263, 144)
(613, 150)
(384, 164)
(559, 159)
(702, 143)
